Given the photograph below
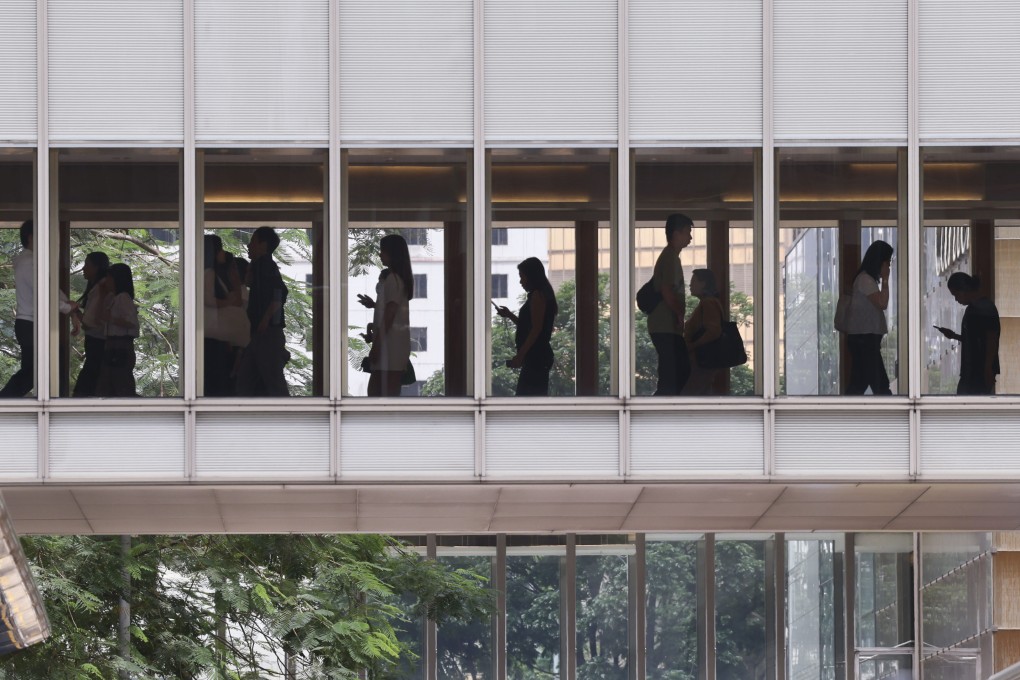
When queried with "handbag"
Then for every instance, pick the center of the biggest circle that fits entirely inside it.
(841, 319)
(648, 298)
(229, 324)
(408, 377)
(726, 351)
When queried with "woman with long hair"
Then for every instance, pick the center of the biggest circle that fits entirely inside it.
(117, 376)
(390, 330)
(534, 329)
(703, 327)
(224, 318)
(90, 305)
(978, 336)
(866, 322)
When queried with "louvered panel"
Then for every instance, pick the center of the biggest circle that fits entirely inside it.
(970, 443)
(552, 443)
(407, 445)
(116, 70)
(550, 70)
(262, 70)
(840, 69)
(695, 70)
(112, 446)
(271, 445)
(406, 70)
(854, 443)
(17, 71)
(682, 442)
(20, 456)
(968, 61)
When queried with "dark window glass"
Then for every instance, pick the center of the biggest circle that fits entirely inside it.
(421, 286)
(499, 285)
(419, 339)
(500, 237)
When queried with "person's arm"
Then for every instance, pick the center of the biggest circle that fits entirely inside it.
(507, 314)
(275, 306)
(537, 314)
(675, 302)
(711, 320)
(273, 281)
(991, 356)
(880, 298)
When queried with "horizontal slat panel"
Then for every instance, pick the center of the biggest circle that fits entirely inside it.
(115, 446)
(855, 443)
(557, 443)
(550, 70)
(407, 445)
(840, 69)
(406, 70)
(17, 70)
(18, 432)
(262, 70)
(695, 70)
(116, 70)
(968, 61)
(276, 445)
(662, 442)
(970, 443)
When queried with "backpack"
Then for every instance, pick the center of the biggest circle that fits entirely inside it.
(648, 298)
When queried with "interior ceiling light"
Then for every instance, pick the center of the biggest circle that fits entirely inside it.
(23, 620)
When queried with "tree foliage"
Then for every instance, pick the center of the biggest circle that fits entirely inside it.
(237, 607)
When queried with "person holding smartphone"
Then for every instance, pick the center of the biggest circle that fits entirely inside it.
(534, 330)
(866, 322)
(978, 336)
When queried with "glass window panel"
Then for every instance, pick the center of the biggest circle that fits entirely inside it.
(834, 204)
(671, 607)
(121, 207)
(971, 203)
(813, 628)
(17, 273)
(602, 621)
(278, 296)
(557, 207)
(715, 188)
(885, 587)
(411, 632)
(533, 612)
(956, 594)
(740, 609)
(421, 195)
(464, 649)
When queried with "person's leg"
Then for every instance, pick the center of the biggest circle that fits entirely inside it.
(273, 358)
(375, 384)
(665, 348)
(683, 362)
(878, 378)
(22, 381)
(532, 382)
(88, 376)
(391, 383)
(247, 370)
(857, 381)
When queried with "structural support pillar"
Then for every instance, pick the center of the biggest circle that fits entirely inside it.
(455, 307)
(718, 258)
(586, 310)
(849, 263)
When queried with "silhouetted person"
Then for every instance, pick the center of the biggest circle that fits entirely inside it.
(666, 322)
(90, 303)
(978, 336)
(534, 330)
(117, 374)
(703, 327)
(390, 330)
(226, 322)
(261, 370)
(22, 381)
(866, 323)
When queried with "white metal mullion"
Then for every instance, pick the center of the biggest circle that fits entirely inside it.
(768, 233)
(480, 222)
(913, 205)
(335, 263)
(44, 264)
(189, 211)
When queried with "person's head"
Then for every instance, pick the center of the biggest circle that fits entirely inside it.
(532, 273)
(395, 257)
(27, 233)
(964, 287)
(678, 230)
(213, 250)
(120, 279)
(703, 283)
(264, 241)
(96, 264)
(875, 257)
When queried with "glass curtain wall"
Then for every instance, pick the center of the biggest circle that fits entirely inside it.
(556, 206)
(534, 610)
(741, 640)
(602, 647)
(884, 606)
(17, 337)
(814, 603)
(834, 205)
(263, 323)
(717, 190)
(421, 197)
(464, 649)
(116, 229)
(672, 605)
(971, 217)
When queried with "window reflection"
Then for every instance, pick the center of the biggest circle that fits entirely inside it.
(533, 612)
(971, 232)
(715, 188)
(118, 210)
(263, 281)
(671, 608)
(740, 636)
(834, 204)
(17, 273)
(464, 649)
(556, 208)
(814, 582)
(421, 197)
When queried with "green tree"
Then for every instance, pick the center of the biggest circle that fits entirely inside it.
(239, 607)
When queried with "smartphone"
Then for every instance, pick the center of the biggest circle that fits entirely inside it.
(494, 304)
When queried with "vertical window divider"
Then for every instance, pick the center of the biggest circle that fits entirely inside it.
(42, 244)
(775, 607)
(480, 210)
(769, 209)
(914, 199)
(190, 271)
(431, 628)
(918, 606)
(849, 607)
(637, 577)
(499, 618)
(340, 268)
(568, 611)
(705, 616)
(624, 261)
(335, 239)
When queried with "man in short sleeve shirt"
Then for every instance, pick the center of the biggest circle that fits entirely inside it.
(666, 322)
